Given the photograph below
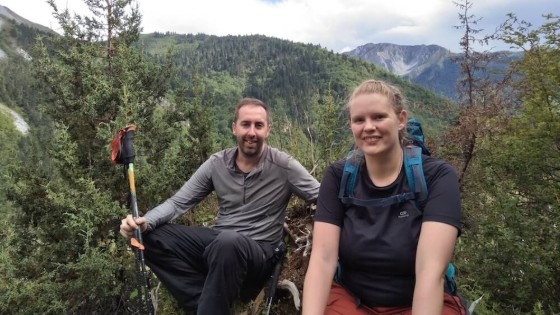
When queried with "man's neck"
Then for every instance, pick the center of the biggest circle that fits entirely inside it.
(247, 164)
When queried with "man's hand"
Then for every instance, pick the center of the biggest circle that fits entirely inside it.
(128, 225)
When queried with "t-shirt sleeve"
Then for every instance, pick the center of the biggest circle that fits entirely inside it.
(444, 201)
(329, 207)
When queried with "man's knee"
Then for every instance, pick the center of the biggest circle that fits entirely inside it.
(228, 242)
(227, 247)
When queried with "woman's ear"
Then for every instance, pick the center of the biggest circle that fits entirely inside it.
(403, 118)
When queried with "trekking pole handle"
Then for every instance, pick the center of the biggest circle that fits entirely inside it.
(128, 145)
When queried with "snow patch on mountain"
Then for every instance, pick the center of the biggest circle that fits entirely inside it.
(396, 63)
(20, 123)
(401, 60)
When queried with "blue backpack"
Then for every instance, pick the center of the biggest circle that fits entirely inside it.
(416, 181)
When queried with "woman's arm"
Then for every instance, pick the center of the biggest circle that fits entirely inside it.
(322, 265)
(435, 249)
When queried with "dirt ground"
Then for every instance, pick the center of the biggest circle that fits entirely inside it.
(298, 227)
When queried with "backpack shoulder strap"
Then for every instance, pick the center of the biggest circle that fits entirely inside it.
(352, 166)
(415, 173)
(449, 285)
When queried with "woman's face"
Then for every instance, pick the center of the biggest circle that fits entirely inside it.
(375, 125)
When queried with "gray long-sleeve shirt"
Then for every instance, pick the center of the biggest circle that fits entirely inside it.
(253, 204)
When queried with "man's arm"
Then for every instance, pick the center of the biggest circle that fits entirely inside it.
(303, 184)
(192, 192)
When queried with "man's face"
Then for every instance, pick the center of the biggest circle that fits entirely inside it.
(251, 130)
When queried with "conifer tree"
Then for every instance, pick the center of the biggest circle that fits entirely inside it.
(331, 135)
(75, 261)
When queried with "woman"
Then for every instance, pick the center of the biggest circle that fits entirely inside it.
(391, 259)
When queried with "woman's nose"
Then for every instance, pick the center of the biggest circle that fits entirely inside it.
(369, 124)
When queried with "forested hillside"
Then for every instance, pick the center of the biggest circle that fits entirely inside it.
(62, 199)
(289, 76)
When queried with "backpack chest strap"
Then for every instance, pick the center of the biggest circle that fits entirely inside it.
(379, 202)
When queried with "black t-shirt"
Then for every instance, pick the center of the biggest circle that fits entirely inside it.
(377, 250)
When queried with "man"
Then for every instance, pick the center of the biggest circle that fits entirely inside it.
(205, 269)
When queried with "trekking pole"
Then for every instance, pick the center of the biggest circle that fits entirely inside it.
(123, 153)
(272, 288)
(280, 253)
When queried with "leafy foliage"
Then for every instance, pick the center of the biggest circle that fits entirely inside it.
(511, 190)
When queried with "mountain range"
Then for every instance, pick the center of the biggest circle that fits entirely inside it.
(431, 66)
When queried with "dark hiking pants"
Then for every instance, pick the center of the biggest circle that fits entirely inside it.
(206, 269)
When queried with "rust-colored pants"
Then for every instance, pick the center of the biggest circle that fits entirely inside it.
(340, 302)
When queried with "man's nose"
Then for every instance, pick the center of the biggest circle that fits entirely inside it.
(252, 130)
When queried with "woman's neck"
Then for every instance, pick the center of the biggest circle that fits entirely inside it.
(384, 169)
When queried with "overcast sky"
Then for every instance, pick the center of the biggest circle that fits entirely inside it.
(334, 24)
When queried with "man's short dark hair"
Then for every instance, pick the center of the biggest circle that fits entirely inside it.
(251, 101)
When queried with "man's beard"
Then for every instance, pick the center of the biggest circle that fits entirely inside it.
(253, 151)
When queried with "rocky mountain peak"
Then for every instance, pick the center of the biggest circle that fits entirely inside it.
(7, 14)
(402, 60)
